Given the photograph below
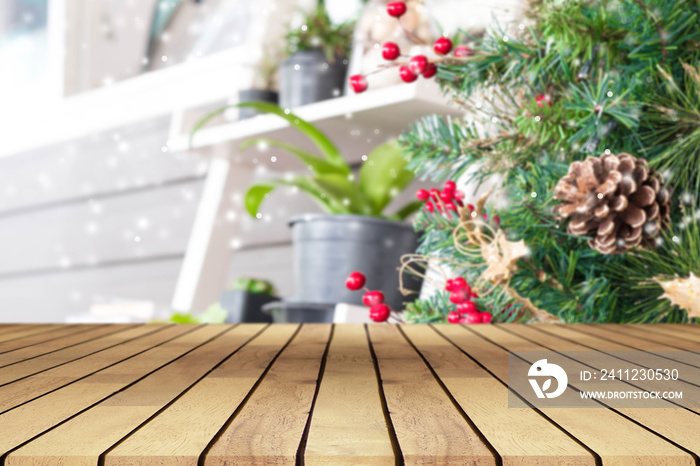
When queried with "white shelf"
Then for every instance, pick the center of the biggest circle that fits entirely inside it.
(355, 123)
(159, 93)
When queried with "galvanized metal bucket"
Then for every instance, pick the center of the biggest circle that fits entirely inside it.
(307, 77)
(283, 312)
(327, 248)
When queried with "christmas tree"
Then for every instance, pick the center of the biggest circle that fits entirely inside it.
(590, 114)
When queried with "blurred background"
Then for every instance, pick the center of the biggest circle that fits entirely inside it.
(107, 212)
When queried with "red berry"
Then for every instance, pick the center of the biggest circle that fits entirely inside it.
(442, 46)
(463, 51)
(460, 284)
(486, 317)
(355, 281)
(429, 205)
(497, 220)
(396, 9)
(458, 297)
(470, 207)
(542, 99)
(422, 195)
(379, 312)
(434, 193)
(454, 317)
(486, 216)
(449, 285)
(430, 71)
(358, 83)
(372, 298)
(459, 195)
(466, 307)
(449, 205)
(473, 295)
(418, 64)
(407, 75)
(472, 318)
(450, 186)
(446, 196)
(390, 51)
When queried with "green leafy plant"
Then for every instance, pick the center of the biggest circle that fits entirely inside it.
(319, 33)
(214, 314)
(332, 183)
(254, 285)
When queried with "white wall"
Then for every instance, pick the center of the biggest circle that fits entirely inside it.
(103, 218)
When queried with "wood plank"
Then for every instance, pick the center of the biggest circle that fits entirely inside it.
(615, 439)
(117, 347)
(22, 423)
(112, 335)
(646, 333)
(269, 428)
(348, 424)
(428, 427)
(636, 338)
(109, 421)
(666, 420)
(520, 436)
(27, 330)
(180, 433)
(83, 335)
(674, 331)
(61, 332)
(569, 338)
(6, 328)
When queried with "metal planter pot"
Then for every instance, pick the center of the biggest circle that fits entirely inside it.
(244, 306)
(307, 77)
(327, 248)
(297, 312)
(254, 95)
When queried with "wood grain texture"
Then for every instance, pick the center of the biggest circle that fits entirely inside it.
(58, 343)
(691, 334)
(179, 434)
(109, 421)
(61, 331)
(321, 394)
(40, 383)
(428, 428)
(521, 437)
(349, 397)
(632, 444)
(14, 334)
(269, 428)
(23, 422)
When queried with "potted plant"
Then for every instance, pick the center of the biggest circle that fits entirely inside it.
(244, 301)
(318, 58)
(356, 232)
(263, 88)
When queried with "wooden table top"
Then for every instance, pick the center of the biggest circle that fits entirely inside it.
(311, 394)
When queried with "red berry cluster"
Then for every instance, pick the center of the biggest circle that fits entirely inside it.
(419, 65)
(467, 313)
(448, 199)
(543, 99)
(374, 299)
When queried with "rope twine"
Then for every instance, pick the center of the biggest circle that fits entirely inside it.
(475, 239)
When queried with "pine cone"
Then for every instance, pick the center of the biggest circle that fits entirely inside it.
(615, 199)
